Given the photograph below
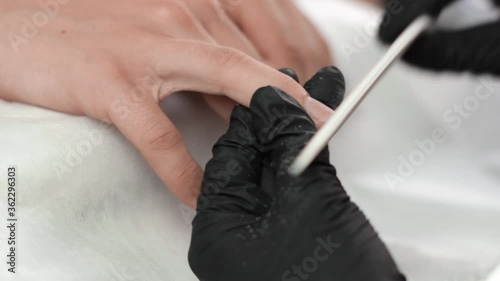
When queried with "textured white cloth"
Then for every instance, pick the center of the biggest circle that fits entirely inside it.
(90, 208)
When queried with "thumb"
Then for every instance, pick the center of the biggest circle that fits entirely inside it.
(147, 127)
(281, 124)
(327, 86)
(232, 176)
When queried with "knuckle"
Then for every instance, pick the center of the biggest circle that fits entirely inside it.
(229, 57)
(293, 88)
(185, 169)
(217, 10)
(289, 42)
(237, 7)
(106, 65)
(162, 139)
(173, 11)
(162, 12)
(220, 16)
(183, 16)
(291, 51)
(209, 4)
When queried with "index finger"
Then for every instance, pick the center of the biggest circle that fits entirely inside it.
(213, 69)
(147, 127)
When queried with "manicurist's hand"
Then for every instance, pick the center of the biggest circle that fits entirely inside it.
(475, 49)
(114, 60)
(255, 222)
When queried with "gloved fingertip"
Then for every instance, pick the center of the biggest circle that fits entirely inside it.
(281, 125)
(290, 72)
(275, 113)
(327, 86)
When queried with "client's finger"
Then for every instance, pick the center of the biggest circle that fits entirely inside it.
(148, 128)
(212, 69)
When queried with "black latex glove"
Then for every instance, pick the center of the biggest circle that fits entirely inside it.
(475, 49)
(255, 222)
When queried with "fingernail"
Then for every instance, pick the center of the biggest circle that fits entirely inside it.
(318, 111)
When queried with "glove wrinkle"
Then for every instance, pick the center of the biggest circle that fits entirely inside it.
(263, 224)
(281, 125)
(232, 175)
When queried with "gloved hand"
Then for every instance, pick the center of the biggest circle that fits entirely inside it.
(475, 49)
(255, 222)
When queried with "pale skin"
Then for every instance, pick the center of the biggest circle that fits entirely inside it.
(114, 60)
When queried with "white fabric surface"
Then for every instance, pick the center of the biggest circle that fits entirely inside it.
(89, 208)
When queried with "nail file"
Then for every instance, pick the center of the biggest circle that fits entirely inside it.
(352, 101)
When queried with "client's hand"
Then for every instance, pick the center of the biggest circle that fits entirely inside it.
(114, 60)
(255, 222)
(283, 36)
(475, 49)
